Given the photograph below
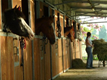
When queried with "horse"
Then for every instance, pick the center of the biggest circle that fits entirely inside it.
(14, 21)
(69, 32)
(45, 25)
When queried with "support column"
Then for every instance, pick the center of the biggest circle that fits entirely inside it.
(0, 40)
(10, 4)
(37, 9)
(32, 42)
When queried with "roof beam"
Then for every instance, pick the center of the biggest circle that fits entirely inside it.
(79, 1)
(76, 8)
(79, 12)
(94, 22)
(74, 1)
(91, 15)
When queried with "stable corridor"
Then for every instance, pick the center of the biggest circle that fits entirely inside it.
(97, 73)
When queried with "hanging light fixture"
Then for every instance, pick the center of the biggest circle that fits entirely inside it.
(93, 9)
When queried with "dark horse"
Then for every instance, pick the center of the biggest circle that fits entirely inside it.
(45, 25)
(69, 32)
(15, 23)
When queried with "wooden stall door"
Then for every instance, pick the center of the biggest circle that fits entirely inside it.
(42, 59)
(64, 54)
(60, 61)
(7, 58)
(28, 61)
(18, 71)
(68, 53)
(54, 59)
(37, 61)
(47, 53)
(80, 49)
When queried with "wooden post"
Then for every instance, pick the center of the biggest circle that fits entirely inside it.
(0, 61)
(0, 40)
(32, 42)
(10, 4)
(37, 7)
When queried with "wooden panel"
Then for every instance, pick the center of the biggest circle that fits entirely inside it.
(42, 60)
(62, 25)
(0, 15)
(28, 61)
(16, 2)
(68, 53)
(32, 10)
(72, 51)
(80, 49)
(41, 9)
(19, 69)
(47, 62)
(7, 58)
(77, 49)
(65, 54)
(37, 59)
(60, 62)
(56, 23)
(54, 59)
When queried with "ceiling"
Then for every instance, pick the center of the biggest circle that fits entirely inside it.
(92, 8)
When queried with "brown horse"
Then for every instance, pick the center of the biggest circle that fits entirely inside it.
(45, 25)
(69, 32)
(14, 22)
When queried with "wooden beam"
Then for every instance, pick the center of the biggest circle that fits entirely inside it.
(79, 1)
(74, 1)
(90, 12)
(10, 4)
(76, 8)
(94, 22)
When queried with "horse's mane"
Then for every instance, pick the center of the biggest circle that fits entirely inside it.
(67, 29)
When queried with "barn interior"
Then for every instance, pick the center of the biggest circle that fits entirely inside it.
(41, 60)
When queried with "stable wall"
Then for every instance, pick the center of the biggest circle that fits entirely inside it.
(61, 59)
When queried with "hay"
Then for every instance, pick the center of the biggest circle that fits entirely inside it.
(78, 64)
(100, 48)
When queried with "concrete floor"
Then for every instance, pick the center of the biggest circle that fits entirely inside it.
(98, 73)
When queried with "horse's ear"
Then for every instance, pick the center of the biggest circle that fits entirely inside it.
(15, 7)
(19, 8)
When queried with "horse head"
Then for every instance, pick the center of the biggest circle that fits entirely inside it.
(46, 26)
(68, 31)
(15, 23)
